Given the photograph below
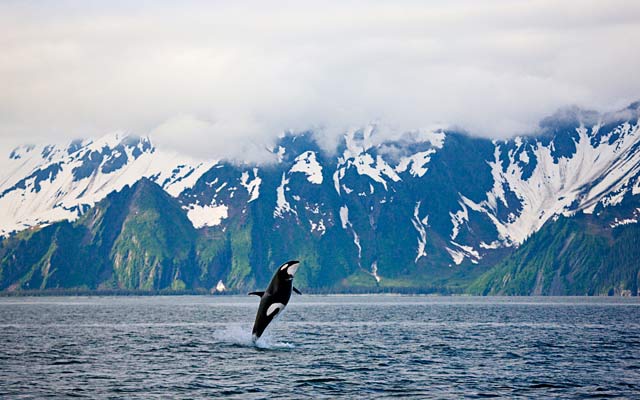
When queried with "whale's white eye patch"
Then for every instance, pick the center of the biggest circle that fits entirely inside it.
(274, 308)
(290, 266)
(292, 269)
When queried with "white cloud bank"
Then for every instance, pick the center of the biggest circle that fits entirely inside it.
(223, 79)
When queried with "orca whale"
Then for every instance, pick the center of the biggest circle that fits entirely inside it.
(275, 298)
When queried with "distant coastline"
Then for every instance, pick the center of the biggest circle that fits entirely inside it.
(233, 292)
(228, 292)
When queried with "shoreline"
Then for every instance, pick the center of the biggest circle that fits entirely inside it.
(144, 293)
(231, 293)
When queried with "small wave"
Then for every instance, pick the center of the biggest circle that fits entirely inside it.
(65, 362)
(241, 336)
(266, 344)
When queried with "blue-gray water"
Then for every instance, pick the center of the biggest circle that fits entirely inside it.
(352, 346)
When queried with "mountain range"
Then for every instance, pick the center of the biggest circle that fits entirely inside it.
(555, 212)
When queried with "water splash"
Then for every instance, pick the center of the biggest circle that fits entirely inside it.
(241, 336)
(234, 334)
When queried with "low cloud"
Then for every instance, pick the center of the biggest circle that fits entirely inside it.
(226, 79)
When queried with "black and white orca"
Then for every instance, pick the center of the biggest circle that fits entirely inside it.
(275, 298)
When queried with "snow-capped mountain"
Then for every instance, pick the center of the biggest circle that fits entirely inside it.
(398, 210)
(47, 183)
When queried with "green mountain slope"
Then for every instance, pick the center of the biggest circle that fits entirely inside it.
(569, 256)
(138, 238)
(49, 257)
(141, 239)
(156, 244)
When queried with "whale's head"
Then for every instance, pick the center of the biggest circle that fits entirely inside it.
(288, 270)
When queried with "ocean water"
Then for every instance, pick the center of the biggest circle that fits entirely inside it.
(321, 347)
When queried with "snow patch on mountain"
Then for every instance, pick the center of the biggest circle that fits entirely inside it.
(458, 219)
(374, 271)
(344, 216)
(376, 169)
(318, 227)
(307, 164)
(183, 176)
(346, 224)
(616, 223)
(211, 215)
(417, 161)
(282, 205)
(461, 252)
(456, 256)
(252, 186)
(421, 225)
(356, 241)
(491, 246)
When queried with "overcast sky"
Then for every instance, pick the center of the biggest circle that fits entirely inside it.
(225, 78)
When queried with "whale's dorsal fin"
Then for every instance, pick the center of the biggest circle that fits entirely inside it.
(259, 294)
(296, 290)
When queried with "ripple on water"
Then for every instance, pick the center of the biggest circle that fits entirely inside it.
(322, 347)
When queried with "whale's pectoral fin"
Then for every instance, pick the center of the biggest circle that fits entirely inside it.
(259, 294)
(296, 290)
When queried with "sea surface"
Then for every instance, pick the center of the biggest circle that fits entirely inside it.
(321, 347)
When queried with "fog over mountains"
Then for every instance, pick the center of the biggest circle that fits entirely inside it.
(438, 210)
